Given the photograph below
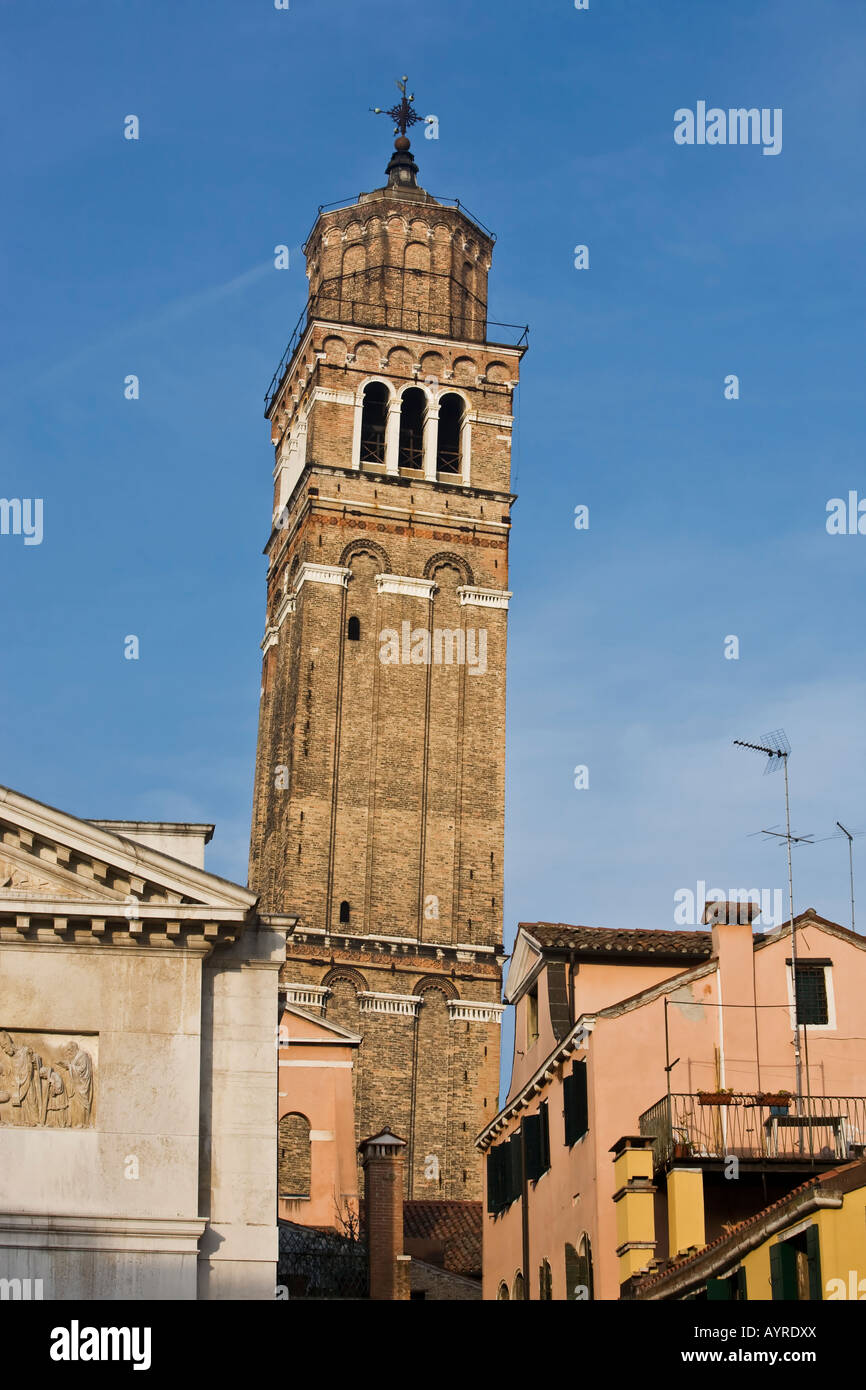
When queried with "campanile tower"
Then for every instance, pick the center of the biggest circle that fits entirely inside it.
(379, 804)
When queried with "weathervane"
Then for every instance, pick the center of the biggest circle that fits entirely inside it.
(404, 114)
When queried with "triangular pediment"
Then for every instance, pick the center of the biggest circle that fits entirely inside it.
(526, 962)
(48, 855)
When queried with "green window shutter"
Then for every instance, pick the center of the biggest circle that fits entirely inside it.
(718, 1289)
(544, 1128)
(783, 1272)
(742, 1288)
(813, 1256)
(532, 1140)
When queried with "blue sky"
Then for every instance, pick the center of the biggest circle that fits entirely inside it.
(707, 516)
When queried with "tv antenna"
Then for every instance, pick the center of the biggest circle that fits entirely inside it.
(777, 750)
(850, 836)
(794, 839)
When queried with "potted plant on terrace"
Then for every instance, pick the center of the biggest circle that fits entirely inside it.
(720, 1097)
(779, 1101)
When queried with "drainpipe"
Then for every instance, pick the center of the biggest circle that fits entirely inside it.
(524, 1193)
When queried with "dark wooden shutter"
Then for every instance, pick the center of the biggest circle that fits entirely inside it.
(544, 1137)
(494, 1179)
(813, 1255)
(568, 1108)
(575, 1104)
(742, 1287)
(783, 1272)
(515, 1168)
(532, 1140)
(718, 1289)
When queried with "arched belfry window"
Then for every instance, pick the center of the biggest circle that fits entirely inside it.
(412, 409)
(353, 629)
(450, 428)
(374, 418)
(345, 913)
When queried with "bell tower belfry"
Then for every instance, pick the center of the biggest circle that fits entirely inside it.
(379, 805)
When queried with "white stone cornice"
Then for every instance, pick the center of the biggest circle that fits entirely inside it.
(270, 639)
(373, 1003)
(284, 608)
(405, 584)
(321, 574)
(329, 393)
(475, 1011)
(311, 996)
(484, 598)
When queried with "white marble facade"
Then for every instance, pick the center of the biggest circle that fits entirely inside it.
(138, 1008)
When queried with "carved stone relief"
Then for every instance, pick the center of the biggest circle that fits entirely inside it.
(19, 879)
(47, 1080)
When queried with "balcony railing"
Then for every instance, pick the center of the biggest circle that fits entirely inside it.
(819, 1129)
(339, 307)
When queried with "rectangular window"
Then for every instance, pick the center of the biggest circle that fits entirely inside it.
(574, 1108)
(812, 994)
(532, 1017)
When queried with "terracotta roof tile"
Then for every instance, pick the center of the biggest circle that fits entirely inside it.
(622, 942)
(457, 1224)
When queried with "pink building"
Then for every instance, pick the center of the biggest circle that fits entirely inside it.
(600, 1015)
(318, 1161)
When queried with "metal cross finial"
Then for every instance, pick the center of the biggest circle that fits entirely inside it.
(404, 114)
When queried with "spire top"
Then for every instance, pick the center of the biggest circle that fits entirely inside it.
(402, 168)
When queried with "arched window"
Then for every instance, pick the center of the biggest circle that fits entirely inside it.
(517, 1291)
(345, 912)
(450, 427)
(545, 1281)
(502, 1294)
(578, 1270)
(374, 418)
(293, 1170)
(412, 409)
(353, 629)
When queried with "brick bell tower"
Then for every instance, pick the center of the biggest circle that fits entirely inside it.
(379, 802)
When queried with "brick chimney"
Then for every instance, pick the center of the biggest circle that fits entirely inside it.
(383, 1189)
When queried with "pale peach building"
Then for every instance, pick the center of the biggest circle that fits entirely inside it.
(600, 1014)
(317, 1160)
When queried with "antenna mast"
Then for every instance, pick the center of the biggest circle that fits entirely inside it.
(777, 749)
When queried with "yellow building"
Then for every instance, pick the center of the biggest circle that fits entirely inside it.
(808, 1246)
